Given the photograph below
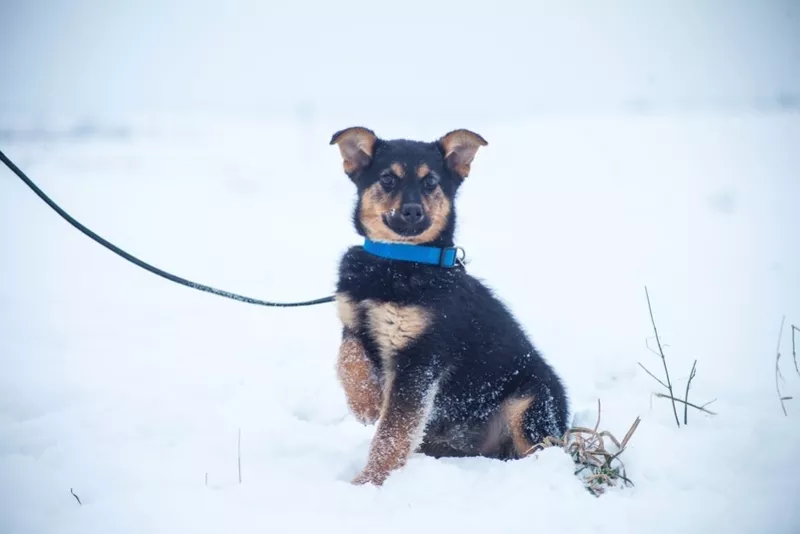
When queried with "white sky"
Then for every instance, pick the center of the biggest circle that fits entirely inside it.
(444, 58)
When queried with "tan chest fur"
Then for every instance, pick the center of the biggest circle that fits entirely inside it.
(393, 327)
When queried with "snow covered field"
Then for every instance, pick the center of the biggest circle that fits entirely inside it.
(131, 390)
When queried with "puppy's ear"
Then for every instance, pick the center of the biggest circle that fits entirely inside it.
(459, 148)
(356, 145)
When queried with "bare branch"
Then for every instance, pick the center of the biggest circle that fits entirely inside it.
(709, 402)
(651, 349)
(651, 374)
(778, 375)
(696, 407)
(663, 358)
(794, 349)
(76, 497)
(686, 397)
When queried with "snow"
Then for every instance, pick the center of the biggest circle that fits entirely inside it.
(131, 390)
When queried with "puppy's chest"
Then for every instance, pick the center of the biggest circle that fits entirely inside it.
(389, 327)
(364, 277)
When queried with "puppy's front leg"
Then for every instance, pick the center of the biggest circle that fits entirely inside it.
(404, 415)
(357, 376)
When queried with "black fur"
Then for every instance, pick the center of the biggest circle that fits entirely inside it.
(473, 346)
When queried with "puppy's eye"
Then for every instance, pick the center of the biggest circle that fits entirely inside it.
(387, 180)
(430, 183)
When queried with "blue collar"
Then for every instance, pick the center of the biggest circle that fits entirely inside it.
(443, 257)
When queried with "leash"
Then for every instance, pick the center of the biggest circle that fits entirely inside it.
(144, 265)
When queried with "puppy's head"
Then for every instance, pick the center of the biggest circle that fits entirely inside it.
(406, 189)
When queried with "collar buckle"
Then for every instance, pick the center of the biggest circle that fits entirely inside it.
(457, 260)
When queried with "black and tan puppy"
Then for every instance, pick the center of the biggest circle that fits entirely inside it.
(427, 351)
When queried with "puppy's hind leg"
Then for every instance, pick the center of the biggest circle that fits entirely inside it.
(531, 418)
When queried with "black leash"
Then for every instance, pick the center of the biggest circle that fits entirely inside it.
(136, 261)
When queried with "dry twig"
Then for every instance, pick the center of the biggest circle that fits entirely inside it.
(651, 374)
(587, 449)
(76, 497)
(778, 376)
(668, 384)
(702, 408)
(630, 432)
(599, 411)
(794, 349)
(686, 397)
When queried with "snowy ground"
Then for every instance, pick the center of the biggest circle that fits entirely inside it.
(131, 390)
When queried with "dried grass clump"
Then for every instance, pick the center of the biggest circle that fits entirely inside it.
(598, 467)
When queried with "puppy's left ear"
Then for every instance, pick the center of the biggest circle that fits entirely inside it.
(356, 145)
(459, 148)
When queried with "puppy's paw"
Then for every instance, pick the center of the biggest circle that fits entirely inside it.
(368, 415)
(369, 477)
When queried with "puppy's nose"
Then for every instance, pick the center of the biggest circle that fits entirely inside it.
(412, 213)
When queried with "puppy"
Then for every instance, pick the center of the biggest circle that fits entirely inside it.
(427, 351)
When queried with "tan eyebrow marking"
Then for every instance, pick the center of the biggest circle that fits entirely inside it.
(398, 169)
(423, 170)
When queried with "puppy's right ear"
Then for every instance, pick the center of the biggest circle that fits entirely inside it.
(356, 145)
